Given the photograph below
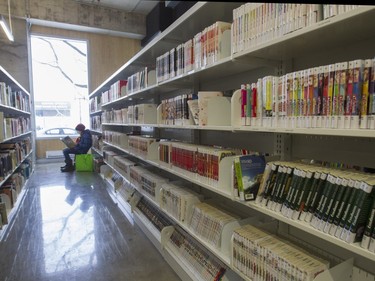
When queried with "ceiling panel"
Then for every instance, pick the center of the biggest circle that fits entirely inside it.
(134, 6)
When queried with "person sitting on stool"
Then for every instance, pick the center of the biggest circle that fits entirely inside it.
(84, 143)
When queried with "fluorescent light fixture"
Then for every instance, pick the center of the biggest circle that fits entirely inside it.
(6, 29)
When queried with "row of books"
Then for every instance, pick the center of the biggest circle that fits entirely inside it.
(13, 98)
(207, 266)
(116, 138)
(17, 151)
(262, 256)
(141, 80)
(207, 47)
(153, 214)
(119, 116)
(339, 95)
(258, 23)
(133, 114)
(96, 123)
(10, 190)
(11, 155)
(185, 109)
(200, 261)
(201, 162)
(331, 10)
(197, 161)
(97, 142)
(116, 91)
(172, 197)
(338, 202)
(95, 104)
(175, 111)
(140, 145)
(207, 221)
(12, 127)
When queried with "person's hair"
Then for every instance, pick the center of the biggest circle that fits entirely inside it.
(80, 127)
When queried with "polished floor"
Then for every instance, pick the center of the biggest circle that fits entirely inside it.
(68, 229)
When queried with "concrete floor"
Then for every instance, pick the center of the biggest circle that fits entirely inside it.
(69, 229)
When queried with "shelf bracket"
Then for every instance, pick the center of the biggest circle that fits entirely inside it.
(282, 146)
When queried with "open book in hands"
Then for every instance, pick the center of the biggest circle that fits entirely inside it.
(68, 141)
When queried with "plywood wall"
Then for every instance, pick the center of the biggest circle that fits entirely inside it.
(105, 53)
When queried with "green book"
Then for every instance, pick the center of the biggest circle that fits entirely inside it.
(341, 207)
(309, 197)
(292, 204)
(302, 196)
(328, 208)
(278, 184)
(361, 214)
(238, 174)
(369, 227)
(3, 214)
(349, 207)
(284, 190)
(316, 196)
(322, 201)
(270, 185)
(335, 203)
(371, 246)
(265, 179)
(291, 191)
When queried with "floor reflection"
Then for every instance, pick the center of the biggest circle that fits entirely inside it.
(68, 226)
(68, 229)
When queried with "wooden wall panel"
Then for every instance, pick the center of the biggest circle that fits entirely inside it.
(43, 145)
(105, 53)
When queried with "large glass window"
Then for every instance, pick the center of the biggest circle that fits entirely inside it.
(60, 85)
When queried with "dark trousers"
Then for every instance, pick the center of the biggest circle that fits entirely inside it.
(66, 152)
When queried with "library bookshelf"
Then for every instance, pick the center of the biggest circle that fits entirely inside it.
(327, 41)
(16, 148)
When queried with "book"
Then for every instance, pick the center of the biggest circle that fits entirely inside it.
(68, 142)
(194, 110)
(203, 99)
(249, 172)
(357, 221)
(369, 227)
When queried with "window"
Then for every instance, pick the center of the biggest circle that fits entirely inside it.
(60, 85)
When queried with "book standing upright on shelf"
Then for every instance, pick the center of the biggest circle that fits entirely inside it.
(249, 171)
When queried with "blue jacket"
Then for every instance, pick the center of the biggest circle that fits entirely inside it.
(85, 142)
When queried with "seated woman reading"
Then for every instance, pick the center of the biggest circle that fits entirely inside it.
(83, 144)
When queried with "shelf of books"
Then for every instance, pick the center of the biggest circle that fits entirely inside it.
(12, 192)
(15, 147)
(272, 80)
(339, 29)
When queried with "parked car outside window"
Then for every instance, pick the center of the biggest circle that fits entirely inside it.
(57, 132)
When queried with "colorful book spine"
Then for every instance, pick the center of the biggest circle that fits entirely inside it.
(365, 93)
(243, 104)
(371, 105)
(358, 66)
(249, 106)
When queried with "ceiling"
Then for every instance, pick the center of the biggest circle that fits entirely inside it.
(133, 6)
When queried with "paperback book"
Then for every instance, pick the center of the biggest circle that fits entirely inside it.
(68, 142)
(249, 172)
